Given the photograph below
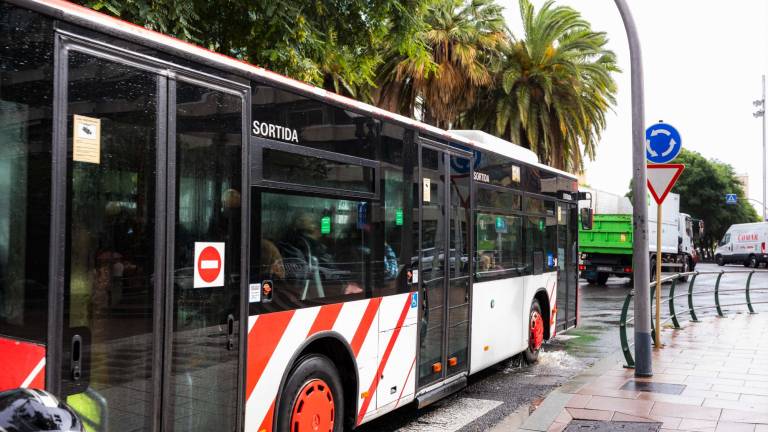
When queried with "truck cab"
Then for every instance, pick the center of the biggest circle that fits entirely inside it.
(688, 237)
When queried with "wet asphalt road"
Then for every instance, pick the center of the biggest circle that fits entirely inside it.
(507, 387)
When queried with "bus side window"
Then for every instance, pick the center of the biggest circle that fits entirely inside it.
(314, 250)
(26, 104)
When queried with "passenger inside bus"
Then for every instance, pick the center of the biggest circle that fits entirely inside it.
(311, 247)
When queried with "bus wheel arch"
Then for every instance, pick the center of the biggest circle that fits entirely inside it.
(543, 299)
(537, 330)
(332, 346)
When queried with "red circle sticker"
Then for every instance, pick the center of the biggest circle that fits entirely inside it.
(209, 264)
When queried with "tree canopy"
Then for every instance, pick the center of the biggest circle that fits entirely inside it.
(556, 87)
(448, 62)
(335, 44)
(461, 39)
(702, 188)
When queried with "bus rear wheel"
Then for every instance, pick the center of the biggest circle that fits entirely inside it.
(535, 334)
(312, 399)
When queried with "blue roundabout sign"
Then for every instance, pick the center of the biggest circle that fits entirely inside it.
(662, 143)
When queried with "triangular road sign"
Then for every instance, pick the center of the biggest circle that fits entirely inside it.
(661, 178)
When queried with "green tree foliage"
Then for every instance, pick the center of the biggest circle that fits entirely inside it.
(556, 88)
(453, 60)
(462, 38)
(331, 43)
(702, 188)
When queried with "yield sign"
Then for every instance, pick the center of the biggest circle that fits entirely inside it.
(661, 178)
(209, 265)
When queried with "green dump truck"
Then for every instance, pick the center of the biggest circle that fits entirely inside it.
(606, 249)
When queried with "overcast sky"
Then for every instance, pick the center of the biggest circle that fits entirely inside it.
(703, 60)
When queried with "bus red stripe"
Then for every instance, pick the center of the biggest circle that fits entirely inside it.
(402, 389)
(19, 361)
(365, 325)
(262, 341)
(325, 318)
(384, 359)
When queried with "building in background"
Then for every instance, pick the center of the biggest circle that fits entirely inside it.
(744, 180)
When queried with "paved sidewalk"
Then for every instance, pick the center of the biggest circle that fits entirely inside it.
(710, 376)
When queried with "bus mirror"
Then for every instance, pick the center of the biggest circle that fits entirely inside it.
(586, 219)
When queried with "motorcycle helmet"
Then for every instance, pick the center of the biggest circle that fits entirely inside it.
(32, 410)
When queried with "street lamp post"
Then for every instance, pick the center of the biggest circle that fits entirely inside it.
(640, 266)
(760, 113)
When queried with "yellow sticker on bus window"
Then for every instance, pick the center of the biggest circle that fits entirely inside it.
(86, 139)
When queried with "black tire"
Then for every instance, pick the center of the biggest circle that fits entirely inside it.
(602, 278)
(753, 262)
(531, 354)
(309, 369)
(591, 281)
(719, 260)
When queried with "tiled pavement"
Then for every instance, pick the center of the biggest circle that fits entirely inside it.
(719, 366)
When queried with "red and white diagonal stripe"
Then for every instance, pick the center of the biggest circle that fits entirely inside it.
(23, 364)
(372, 328)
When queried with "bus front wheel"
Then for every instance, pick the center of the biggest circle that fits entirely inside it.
(312, 398)
(535, 333)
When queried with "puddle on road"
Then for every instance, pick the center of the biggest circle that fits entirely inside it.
(559, 360)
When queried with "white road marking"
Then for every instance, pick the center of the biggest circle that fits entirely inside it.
(452, 416)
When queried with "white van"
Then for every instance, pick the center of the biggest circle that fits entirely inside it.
(744, 244)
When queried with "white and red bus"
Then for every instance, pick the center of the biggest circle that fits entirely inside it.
(192, 243)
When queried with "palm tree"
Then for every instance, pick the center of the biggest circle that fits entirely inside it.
(556, 88)
(461, 39)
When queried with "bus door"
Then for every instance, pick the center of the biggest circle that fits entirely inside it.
(150, 243)
(445, 265)
(563, 262)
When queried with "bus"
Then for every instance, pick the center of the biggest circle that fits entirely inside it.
(192, 243)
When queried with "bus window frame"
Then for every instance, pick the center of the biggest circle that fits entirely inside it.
(256, 164)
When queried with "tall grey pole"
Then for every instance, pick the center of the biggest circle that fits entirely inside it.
(762, 118)
(640, 269)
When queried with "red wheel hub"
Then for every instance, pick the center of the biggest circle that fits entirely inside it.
(314, 409)
(537, 331)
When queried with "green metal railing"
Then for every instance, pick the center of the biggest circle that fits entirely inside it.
(672, 316)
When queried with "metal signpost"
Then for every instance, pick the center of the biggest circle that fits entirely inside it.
(643, 362)
(662, 145)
